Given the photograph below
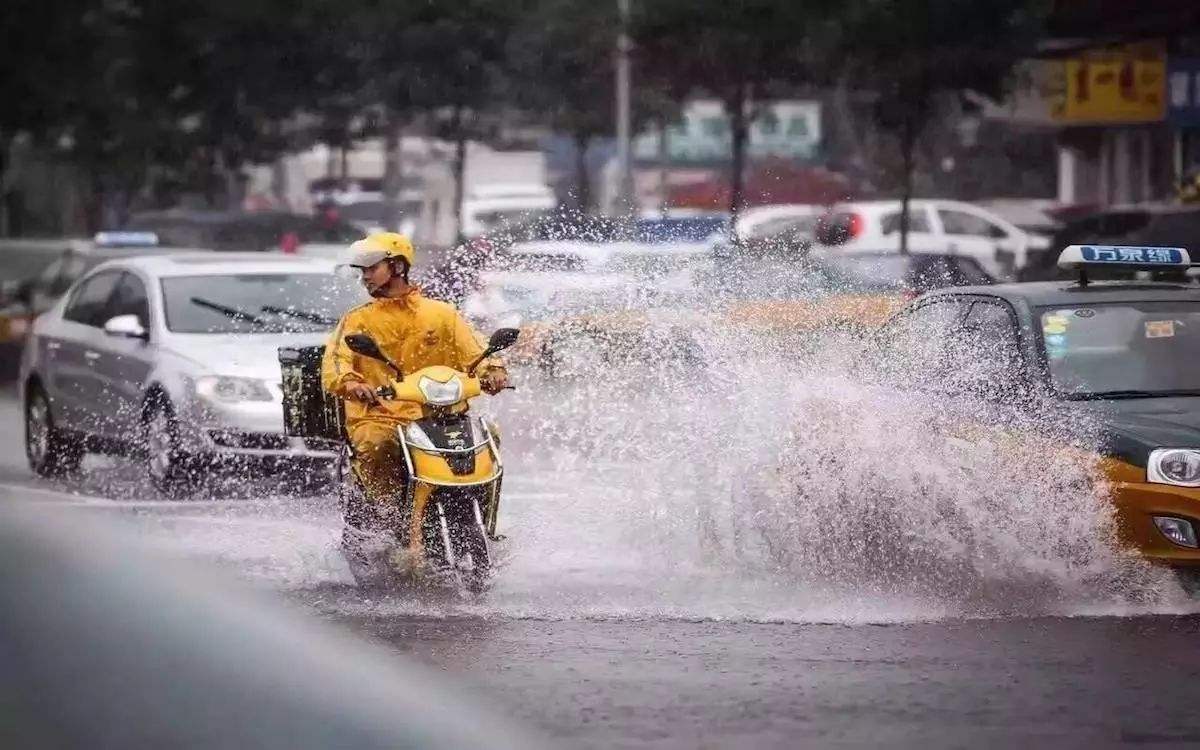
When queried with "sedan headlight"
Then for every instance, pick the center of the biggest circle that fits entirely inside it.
(441, 394)
(231, 390)
(1177, 466)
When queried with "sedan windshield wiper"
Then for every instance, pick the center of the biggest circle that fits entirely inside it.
(1101, 395)
(232, 313)
(311, 317)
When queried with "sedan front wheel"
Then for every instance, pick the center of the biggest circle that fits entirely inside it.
(166, 465)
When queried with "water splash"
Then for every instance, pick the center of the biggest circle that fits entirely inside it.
(767, 487)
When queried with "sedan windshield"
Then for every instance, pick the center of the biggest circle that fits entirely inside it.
(1125, 350)
(257, 303)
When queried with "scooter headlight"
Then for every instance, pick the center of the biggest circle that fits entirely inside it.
(416, 437)
(441, 394)
(1177, 466)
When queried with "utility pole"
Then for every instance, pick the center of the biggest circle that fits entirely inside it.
(625, 198)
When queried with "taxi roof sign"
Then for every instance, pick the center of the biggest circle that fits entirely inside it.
(1083, 257)
(1124, 256)
(126, 239)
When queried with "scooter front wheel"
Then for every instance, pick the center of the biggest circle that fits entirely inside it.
(465, 542)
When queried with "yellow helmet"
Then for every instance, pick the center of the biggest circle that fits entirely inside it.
(380, 246)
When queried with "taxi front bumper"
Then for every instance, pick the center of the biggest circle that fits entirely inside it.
(1137, 503)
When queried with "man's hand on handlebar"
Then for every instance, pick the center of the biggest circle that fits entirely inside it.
(493, 381)
(361, 392)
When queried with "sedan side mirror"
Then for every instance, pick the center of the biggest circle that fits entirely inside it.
(126, 326)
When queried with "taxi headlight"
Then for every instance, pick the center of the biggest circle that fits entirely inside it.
(416, 437)
(1178, 466)
(231, 390)
(441, 394)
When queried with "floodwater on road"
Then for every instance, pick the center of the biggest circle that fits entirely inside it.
(750, 559)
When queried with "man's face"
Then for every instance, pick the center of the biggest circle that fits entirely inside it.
(374, 277)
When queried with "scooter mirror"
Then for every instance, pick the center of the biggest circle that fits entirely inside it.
(503, 338)
(361, 343)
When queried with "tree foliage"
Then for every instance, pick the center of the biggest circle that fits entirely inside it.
(908, 53)
(158, 96)
(734, 51)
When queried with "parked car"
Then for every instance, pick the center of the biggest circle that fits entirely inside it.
(371, 216)
(174, 359)
(689, 229)
(490, 208)
(34, 274)
(762, 221)
(1145, 225)
(244, 231)
(782, 237)
(935, 226)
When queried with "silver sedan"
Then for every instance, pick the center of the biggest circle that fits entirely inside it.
(174, 359)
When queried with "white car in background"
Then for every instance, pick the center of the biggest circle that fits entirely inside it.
(510, 299)
(488, 208)
(935, 226)
(175, 359)
(763, 221)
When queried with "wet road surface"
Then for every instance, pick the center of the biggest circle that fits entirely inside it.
(597, 651)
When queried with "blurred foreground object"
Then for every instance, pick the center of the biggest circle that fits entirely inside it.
(106, 647)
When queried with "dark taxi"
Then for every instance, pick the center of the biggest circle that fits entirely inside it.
(1124, 354)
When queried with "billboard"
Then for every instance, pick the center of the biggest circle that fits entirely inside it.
(782, 129)
(1125, 84)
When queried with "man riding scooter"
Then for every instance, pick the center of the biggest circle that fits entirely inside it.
(413, 332)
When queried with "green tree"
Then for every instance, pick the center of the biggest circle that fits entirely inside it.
(909, 53)
(561, 56)
(735, 51)
(457, 65)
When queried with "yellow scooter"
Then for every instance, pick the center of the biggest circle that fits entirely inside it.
(453, 465)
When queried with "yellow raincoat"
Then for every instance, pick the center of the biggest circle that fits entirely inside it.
(413, 332)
